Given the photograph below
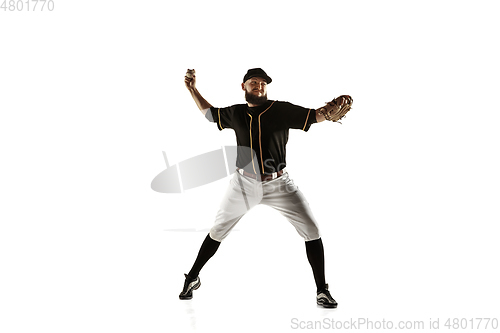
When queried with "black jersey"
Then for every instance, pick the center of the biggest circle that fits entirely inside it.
(263, 129)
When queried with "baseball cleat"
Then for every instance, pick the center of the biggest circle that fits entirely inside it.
(324, 298)
(189, 286)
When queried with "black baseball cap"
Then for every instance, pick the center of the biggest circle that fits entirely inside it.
(257, 72)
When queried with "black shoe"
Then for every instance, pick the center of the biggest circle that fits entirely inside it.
(324, 298)
(189, 286)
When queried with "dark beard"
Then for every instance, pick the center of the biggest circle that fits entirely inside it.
(256, 100)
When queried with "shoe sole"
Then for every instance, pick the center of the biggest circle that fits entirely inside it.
(329, 306)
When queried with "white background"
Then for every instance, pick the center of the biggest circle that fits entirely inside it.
(406, 191)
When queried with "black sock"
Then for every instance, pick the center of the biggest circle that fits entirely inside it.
(316, 257)
(207, 250)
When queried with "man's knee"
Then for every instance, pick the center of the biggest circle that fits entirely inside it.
(309, 232)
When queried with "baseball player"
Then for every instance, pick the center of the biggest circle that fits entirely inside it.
(261, 127)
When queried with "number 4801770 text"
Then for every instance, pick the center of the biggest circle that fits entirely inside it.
(27, 5)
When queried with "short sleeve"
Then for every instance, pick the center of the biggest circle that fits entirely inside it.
(221, 116)
(299, 117)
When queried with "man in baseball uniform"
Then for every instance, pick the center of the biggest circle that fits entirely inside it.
(261, 127)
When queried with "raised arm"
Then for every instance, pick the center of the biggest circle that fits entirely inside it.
(202, 104)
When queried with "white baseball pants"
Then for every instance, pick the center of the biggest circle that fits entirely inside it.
(281, 194)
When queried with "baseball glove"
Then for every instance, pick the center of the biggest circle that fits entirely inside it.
(337, 108)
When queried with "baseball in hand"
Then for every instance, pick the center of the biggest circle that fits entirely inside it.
(190, 73)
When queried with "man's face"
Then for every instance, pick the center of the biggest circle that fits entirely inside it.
(255, 90)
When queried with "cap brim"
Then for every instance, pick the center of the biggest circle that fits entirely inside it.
(267, 78)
